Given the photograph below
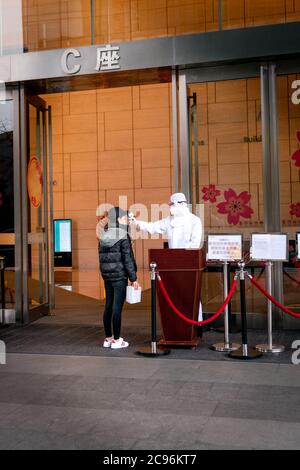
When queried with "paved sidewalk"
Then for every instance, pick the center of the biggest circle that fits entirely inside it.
(78, 402)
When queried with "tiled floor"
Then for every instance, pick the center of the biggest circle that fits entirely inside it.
(71, 402)
(76, 329)
(61, 390)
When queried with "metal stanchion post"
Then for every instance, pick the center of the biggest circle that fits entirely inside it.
(2, 267)
(270, 347)
(244, 352)
(226, 346)
(154, 350)
(233, 328)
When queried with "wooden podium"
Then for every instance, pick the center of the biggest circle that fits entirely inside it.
(181, 272)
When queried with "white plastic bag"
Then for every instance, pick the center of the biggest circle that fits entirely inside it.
(133, 296)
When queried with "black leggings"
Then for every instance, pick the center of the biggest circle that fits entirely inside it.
(115, 298)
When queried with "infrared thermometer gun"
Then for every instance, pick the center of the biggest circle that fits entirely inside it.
(132, 218)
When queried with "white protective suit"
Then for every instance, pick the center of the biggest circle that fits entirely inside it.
(182, 232)
(183, 229)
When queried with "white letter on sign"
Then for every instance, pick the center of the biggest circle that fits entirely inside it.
(108, 58)
(296, 354)
(296, 94)
(64, 61)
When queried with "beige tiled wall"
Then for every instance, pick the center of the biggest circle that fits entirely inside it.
(247, 13)
(58, 23)
(229, 113)
(289, 125)
(65, 23)
(118, 141)
(108, 143)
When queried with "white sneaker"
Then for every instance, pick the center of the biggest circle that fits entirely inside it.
(119, 343)
(107, 342)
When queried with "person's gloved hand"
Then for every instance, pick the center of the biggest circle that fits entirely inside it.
(131, 219)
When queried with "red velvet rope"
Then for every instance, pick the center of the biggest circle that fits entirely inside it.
(275, 302)
(194, 322)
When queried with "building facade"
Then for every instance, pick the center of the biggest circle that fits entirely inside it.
(137, 98)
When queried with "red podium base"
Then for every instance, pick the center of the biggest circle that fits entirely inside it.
(181, 272)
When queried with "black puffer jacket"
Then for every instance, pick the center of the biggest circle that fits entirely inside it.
(117, 261)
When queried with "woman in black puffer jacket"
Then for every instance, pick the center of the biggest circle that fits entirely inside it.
(117, 265)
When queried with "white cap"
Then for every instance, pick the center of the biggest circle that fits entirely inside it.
(178, 197)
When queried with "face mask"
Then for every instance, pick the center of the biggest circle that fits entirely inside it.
(178, 210)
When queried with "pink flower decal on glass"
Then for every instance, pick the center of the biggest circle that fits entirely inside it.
(296, 155)
(235, 206)
(210, 193)
(295, 209)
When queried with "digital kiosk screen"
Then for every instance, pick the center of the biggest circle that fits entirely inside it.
(62, 242)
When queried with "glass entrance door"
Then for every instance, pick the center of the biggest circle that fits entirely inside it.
(8, 146)
(226, 170)
(36, 250)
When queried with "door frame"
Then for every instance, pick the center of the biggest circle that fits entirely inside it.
(180, 79)
(29, 315)
(267, 71)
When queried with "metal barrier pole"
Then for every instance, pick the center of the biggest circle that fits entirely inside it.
(233, 328)
(2, 268)
(244, 352)
(153, 309)
(270, 347)
(154, 350)
(226, 346)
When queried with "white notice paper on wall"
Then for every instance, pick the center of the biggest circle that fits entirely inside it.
(298, 244)
(269, 246)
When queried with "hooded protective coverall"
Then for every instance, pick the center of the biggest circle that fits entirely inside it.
(183, 229)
